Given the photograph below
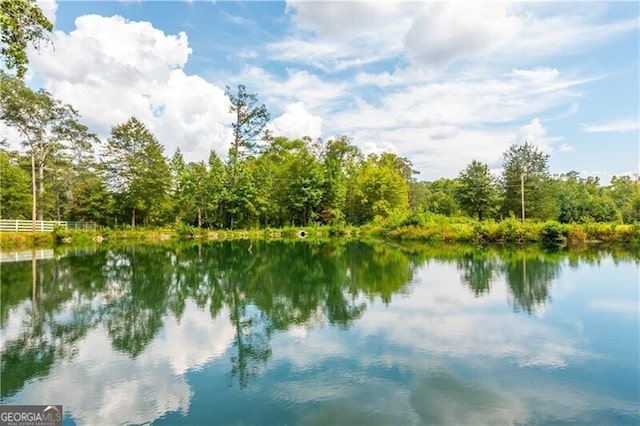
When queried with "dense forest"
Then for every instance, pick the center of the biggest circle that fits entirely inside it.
(265, 181)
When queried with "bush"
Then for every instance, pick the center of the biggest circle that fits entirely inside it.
(61, 235)
(186, 231)
(576, 235)
(553, 233)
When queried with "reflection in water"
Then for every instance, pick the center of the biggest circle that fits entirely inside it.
(529, 276)
(440, 398)
(529, 281)
(149, 302)
(131, 290)
(478, 271)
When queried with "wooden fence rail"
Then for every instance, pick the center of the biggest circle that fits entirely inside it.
(15, 225)
(24, 255)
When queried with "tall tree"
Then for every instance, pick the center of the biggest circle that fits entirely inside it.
(21, 23)
(137, 169)
(377, 190)
(526, 167)
(477, 192)
(340, 159)
(250, 118)
(50, 130)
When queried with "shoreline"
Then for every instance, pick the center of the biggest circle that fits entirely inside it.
(482, 234)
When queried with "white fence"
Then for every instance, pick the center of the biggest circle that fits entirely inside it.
(42, 225)
(22, 256)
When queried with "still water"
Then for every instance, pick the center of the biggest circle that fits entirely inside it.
(316, 333)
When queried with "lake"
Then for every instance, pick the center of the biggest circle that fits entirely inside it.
(321, 333)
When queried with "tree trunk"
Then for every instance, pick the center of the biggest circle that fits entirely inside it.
(480, 215)
(34, 195)
(133, 219)
(199, 218)
(40, 191)
(58, 207)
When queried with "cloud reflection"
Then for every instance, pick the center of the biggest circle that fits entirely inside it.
(104, 386)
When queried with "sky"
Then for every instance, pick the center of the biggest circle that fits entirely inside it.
(441, 84)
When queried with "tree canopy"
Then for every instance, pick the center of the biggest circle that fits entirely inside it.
(22, 23)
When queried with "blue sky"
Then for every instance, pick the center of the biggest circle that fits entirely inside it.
(439, 83)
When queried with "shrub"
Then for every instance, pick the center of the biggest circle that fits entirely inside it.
(186, 231)
(553, 233)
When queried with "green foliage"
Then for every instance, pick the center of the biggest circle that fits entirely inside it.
(185, 231)
(378, 189)
(250, 119)
(15, 199)
(288, 183)
(21, 23)
(554, 233)
(477, 192)
(52, 135)
(137, 170)
(527, 164)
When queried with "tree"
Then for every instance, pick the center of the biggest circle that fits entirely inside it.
(215, 191)
(137, 170)
(21, 23)
(51, 130)
(304, 184)
(15, 202)
(340, 159)
(524, 166)
(625, 191)
(581, 199)
(441, 196)
(477, 192)
(377, 190)
(249, 121)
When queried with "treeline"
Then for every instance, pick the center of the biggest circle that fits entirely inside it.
(265, 181)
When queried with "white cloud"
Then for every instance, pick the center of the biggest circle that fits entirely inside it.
(534, 133)
(296, 122)
(337, 22)
(565, 148)
(613, 126)
(444, 32)
(567, 32)
(298, 86)
(49, 8)
(112, 68)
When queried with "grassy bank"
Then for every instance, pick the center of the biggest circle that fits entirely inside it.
(435, 229)
(20, 240)
(512, 231)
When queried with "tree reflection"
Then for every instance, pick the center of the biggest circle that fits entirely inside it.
(478, 271)
(132, 291)
(45, 336)
(528, 274)
(529, 279)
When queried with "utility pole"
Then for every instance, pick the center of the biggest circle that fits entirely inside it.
(33, 193)
(522, 192)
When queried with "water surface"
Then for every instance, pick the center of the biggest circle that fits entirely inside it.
(323, 333)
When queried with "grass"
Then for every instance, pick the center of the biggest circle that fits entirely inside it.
(509, 231)
(415, 228)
